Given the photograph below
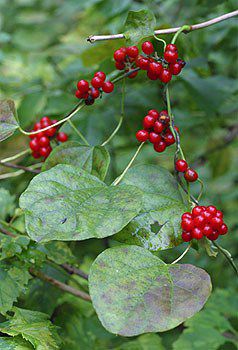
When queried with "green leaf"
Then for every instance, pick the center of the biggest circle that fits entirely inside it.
(138, 25)
(95, 159)
(11, 246)
(33, 326)
(67, 203)
(8, 123)
(13, 281)
(143, 342)
(59, 252)
(134, 292)
(16, 343)
(7, 204)
(158, 224)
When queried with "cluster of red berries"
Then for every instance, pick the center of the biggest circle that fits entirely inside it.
(162, 68)
(190, 174)
(156, 130)
(40, 143)
(98, 84)
(203, 221)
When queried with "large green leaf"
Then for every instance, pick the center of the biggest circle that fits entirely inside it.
(7, 205)
(13, 281)
(95, 159)
(139, 24)
(67, 203)
(158, 224)
(33, 326)
(16, 343)
(134, 292)
(8, 123)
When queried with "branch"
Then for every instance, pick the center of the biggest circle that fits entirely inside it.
(16, 166)
(74, 270)
(7, 232)
(193, 27)
(64, 287)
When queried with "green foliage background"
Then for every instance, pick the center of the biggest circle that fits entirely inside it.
(43, 52)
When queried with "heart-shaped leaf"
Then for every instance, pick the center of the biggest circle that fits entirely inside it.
(95, 159)
(134, 292)
(158, 224)
(139, 25)
(8, 123)
(67, 203)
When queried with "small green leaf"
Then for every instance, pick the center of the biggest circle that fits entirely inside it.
(138, 25)
(59, 252)
(8, 122)
(158, 224)
(33, 326)
(67, 203)
(134, 292)
(95, 159)
(7, 204)
(143, 342)
(16, 343)
(10, 246)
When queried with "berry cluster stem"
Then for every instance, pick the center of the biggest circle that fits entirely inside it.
(185, 28)
(182, 255)
(18, 155)
(78, 132)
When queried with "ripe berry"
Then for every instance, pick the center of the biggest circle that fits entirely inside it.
(45, 119)
(95, 93)
(79, 94)
(44, 141)
(108, 87)
(100, 75)
(212, 209)
(197, 233)
(223, 229)
(181, 165)
(34, 144)
(37, 126)
(187, 224)
(142, 135)
(83, 85)
(142, 63)
(165, 75)
(207, 215)
(160, 146)
(175, 68)
(171, 47)
(132, 51)
(120, 65)
(213, 236)
(154, 138)
(199, 221)
(62, 137)
(219, 214)
(155, 68)
(169, 139)
(171, 56)
(50, 132)
(181, 62)
(216, 223)
(197, 210)
(152, 76)
(39, 135)
(132, 75)
(45, 151)
(207, 230)
(36, 154)
(186, 216)
(119, 55)
(186, 236)
(158, 127)
(148, 122)
(97, 82)
(154, 113)
(190, 175)
(147, 47)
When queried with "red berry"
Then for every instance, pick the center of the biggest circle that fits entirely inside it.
(181, 165)
(170, 56)
(147, 47)
(36, 154)
(186, 215)
(199, 221)
(108, 87)
(100, 75)
(154, 138)
(132, 51)
(45, 119)
(142, 63)
(197, 210)
(44, 141)
(79, 94)
(95, 93)
(152, 76)
(187, 224)
(50, 132)
(181, 62)
(165, 75)
(190, 175)
(186, 236)
(158, 127)
(216, 222)
(171, 47)
(142, 135)
(83, 85)
(133, 75)
(62, 137)
(213, 236)
(45, 123)
(212, 209)
(175, 68)
(120, 65)
(148, 122)
(37, 126)
(97, 82)
(154, 113)
(207, 230)
(219, 214)
(34, 144)
(119, 55)
(169, 138)
(164, 112)
(53, 121)
(223, 229)
(160, 146)
(197, 233)
(207, 215)
(40, 134)
(45, 151)
(155, 68)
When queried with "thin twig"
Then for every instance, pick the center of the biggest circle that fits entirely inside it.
(20, 154)
(74, 270)
(227, 255)
(64, 287)
(16, 166)
(7, 232)
(193, 27)
(182, 255)
(78, 132)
